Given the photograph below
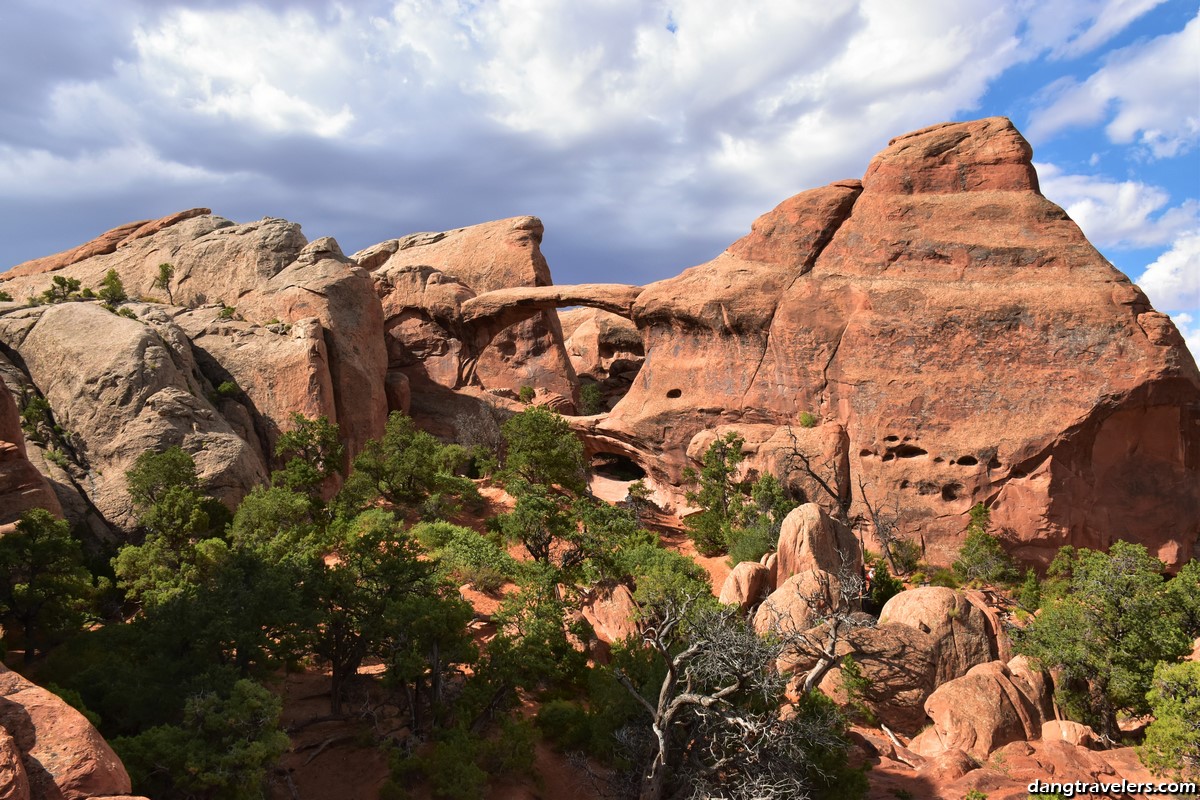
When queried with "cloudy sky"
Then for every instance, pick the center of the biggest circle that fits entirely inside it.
(647, 135)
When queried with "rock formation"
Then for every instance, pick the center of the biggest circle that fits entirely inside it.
(936, 335)
(48, 751)
(22, 487)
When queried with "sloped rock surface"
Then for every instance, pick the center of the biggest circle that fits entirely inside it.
(63, 756)
(141, 390)
(970, 340)
(745, 585)
(22, 487)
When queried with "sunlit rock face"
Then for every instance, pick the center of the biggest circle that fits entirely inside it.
(970, 342)
(934, 335)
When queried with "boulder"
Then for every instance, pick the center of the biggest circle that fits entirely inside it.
(796, 605)
(979, 712)
(1067, 731)
(900, 666)
(63, 755)
(141, 390)
(22, 487)
(612, 613)
(809, 539)
(959, 626)
(946, 767)
(745, 585)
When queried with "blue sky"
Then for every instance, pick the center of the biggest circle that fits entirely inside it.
(647, 135)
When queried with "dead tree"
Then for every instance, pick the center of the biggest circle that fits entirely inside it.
(716, 727)
(797, 459)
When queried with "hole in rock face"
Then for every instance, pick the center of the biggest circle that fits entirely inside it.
(891, 438)
(617, 467)
(864, 453)
(938, 459)
(966, 461)
(675, 393)
(950, 491)
(908, 451)
(994, 463)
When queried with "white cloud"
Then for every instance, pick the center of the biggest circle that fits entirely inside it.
(1189, 328)
(275, 71)
(1148, 92)
(1119, 214)
(1072, 29)
(1172, 282)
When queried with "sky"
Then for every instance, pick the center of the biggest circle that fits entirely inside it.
(646, 135)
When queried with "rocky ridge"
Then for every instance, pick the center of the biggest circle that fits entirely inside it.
(936, 334)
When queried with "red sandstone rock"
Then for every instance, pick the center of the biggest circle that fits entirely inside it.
(21, 486)
(14, 783)
(810, 540)
(487, 257)
(64, 756)
(960, 628)
(969, 339)
(1067, 731)
(745, 586)
(979, 712)
(900, 665)
(946, 767)
(612, 613)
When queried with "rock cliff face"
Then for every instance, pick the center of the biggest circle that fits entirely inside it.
(957, 325)
(22, 487)
(936, 334)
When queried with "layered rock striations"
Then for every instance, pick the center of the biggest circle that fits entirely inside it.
(933, 336)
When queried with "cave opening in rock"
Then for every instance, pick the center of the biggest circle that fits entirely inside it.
(673, 393)
(966, 461)
(617, 467)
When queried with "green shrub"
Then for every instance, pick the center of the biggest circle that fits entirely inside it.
(61, 290)
(807, 419)
(126, 312)
(526, 394)
(5, 297)
(944, 577)
(907, 555)
(226, 312)
(565, 724)
(112, 290)
(453, 773)
(884, 587)
(982, 558)
(1029, 596)
(591, 399)
(750, 544)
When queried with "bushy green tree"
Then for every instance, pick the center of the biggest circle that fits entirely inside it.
(982, 558)
(541, 449)
(372, 588)
(112, 290)
(407, 467)
(311, 453)
(221, 750)
(163, 279)
(61, 290)
(1110, 620)
(1172, 746)
(591, 398)
(45, 589)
